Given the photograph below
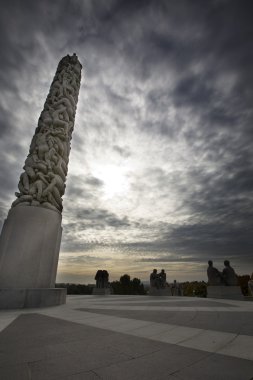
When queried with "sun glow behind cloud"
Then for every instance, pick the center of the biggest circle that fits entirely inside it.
(114, 178)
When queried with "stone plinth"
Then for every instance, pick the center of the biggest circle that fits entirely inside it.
(29, 248)
(29, 251)
(101, 291)
(225, 292)
(29, 298)
(159, 292)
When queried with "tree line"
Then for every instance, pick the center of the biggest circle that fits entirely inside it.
(126, 286)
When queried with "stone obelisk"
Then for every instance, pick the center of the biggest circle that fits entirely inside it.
(31, 234)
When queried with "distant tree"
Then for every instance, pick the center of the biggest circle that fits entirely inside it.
(116, 287)
(137, 286)
(195, 289)
(75, 288)
(200, 289)
(125, 280)
(127, 286)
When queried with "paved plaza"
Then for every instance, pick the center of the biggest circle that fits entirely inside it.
(129, 337)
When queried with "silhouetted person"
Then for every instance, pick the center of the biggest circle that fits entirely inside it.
(98, 278)
(154, 279)
(214, 276)
(162, 278)
(229, 276)
(105, 279)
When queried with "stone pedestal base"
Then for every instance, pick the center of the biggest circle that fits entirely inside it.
(29, 298)
(101, 291)
(159, 292)
(225, 292)
(29, 248)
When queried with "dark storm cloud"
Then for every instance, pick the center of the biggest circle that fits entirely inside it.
(192, 91)
(175, 259)
(213, 239)
(195, 243)
(85, 188)
(220, 214)
(99, 218)
(222, 40)
(76, 239)
(81, 219)
(71, 244)
(5, 122)
(3, 213)
(8, 163)
(83, 259)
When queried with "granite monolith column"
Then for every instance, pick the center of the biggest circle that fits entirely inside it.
(31, 234)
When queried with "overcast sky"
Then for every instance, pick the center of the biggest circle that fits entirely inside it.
(160, 172)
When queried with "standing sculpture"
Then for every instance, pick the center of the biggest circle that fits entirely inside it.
(31, 235)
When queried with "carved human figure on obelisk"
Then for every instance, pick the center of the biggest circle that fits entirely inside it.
(31, 235)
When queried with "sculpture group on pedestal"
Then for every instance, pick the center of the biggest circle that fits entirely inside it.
(227, 277)
(158, 280)
(160, 287)
(223, 284)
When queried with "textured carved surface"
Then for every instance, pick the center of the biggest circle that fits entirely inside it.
(43, 181)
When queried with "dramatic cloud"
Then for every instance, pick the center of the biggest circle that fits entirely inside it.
(161, 163)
